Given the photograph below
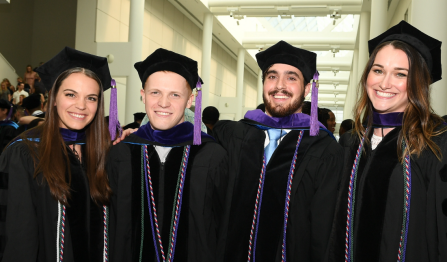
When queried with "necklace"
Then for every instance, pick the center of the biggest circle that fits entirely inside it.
(258, 202)
(177, 205)
(349, 241)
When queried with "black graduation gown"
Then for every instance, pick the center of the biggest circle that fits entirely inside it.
(132, 125)
(203, 200)
(314, 191)
(7, 133)
(29, 214)
(379, 204)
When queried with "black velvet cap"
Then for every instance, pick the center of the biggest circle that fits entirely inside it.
(165, 60)
(284, 53)
(138, 116)
(31, 102)
(69, 58)
(427, 46)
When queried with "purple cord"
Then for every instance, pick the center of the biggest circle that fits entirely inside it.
(289, 182)
(314, 128)
(198, 116)
(149, 205)
(181, 200)
(259, 208)
(407, 158)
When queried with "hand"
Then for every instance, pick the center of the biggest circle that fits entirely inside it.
(125, 134)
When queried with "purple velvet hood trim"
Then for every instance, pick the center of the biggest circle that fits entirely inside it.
(179, 134)
(71, 136)
(295, 121)
(387, 120)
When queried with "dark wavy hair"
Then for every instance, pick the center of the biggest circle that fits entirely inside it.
(420, 123)
(51, 157)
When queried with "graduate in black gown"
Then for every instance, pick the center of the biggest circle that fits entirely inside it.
(137, 118)
(393, 196)
(53, 183)
(168, 178)
(8, 128)
(287, 213)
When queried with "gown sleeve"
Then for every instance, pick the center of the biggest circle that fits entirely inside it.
(20, 239)
(119, 170)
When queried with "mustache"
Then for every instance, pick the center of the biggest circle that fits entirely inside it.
(285, 92)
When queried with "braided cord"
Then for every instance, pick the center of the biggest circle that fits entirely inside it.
(142, 204)
(151, 200)
(349, 257)
(177, 203)
(288, 194)
(106, 233)
(61, 232)
(406, 207)
(257, 211)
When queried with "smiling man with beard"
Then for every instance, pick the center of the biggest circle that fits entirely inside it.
(284, 168)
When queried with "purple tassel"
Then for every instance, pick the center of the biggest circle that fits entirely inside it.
(314, 127)
(198, 116)
(10, 113)
(114, 123)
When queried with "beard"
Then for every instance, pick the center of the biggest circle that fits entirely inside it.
(283, 110)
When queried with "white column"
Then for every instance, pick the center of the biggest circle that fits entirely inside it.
(379, 11)
(363, 43)
(429, 17)
(351, 94)
(240, 83)
(134, 85)
(260, 88)
(207, 42)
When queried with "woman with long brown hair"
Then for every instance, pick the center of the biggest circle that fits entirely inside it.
(53, 179)
(392, 204)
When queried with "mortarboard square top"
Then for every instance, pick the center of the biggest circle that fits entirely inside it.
(284, 53)
(165, 60)
(70, 58)
(427, 46)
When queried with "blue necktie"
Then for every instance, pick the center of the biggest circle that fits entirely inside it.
(274, 136)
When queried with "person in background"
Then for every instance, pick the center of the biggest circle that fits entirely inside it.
(210, 116)
(345, 126)
(261, 107)
(306, 107)
(327, 118)
(137, 118)
(30, 76)
(20, 91)
(4, 91)
(38, 89)
(7, 127)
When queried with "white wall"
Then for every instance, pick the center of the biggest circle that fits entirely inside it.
(7, 71)
(166, 27)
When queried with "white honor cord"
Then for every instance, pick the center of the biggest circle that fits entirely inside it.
(57, 229)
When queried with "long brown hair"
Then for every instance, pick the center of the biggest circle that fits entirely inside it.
(51, 157)
(420, 123)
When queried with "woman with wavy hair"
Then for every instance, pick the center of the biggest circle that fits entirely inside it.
(392, 204)
(54, 186)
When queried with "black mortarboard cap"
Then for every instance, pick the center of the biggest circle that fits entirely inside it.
(427, 46)
(31, 102)
(165, 60)
(69, 58)
(284, 53)
(139, 116)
